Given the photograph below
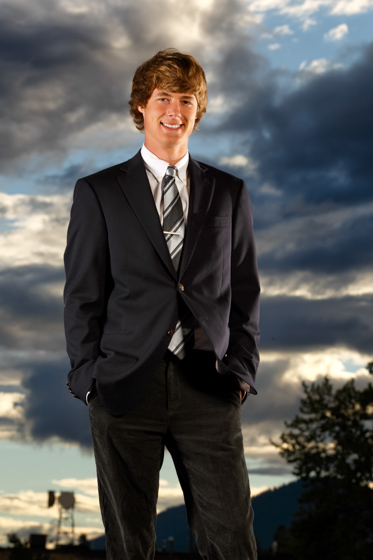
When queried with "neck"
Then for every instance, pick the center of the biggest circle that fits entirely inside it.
(171, 154)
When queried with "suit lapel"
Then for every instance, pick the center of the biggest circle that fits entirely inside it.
(135, 186)
(201, 193)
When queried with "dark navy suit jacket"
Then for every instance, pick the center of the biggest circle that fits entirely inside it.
(121, 293)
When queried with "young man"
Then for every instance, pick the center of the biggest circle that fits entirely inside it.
(161, 318)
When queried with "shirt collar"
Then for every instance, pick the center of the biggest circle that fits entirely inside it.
(158, 167)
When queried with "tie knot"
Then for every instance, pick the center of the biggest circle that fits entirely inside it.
(171, 171)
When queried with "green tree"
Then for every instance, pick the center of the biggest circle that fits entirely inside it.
(332, 435)
(329, 443)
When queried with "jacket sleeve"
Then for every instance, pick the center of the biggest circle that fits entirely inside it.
(87, 281)
(242, 357)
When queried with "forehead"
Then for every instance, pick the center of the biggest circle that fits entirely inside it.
(167, 93)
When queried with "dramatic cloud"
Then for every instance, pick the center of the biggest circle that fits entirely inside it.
(75, 90)
(49, 410)
(350, 7)
(337, 33)
(52, 93)
(318, 66)
(34, 229)
(304, 9)
(88, 485)
(283, 30)
(315, 143)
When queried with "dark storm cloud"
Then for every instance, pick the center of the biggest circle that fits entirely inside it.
(276, 400)
(236, 70)
(67, 178)
(313, 184)
(57, 75)
(23, 294)
(270, 471)
(335, 248)
(314, 144)
(50, 410)
(303, 325)
(62, 72)
(33, 323)
(32, 313)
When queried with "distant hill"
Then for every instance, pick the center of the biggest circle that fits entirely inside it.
(271, 509)
(173, 522)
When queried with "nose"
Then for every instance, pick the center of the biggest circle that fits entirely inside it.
(173, 109)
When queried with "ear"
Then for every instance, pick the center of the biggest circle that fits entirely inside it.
(140, 109)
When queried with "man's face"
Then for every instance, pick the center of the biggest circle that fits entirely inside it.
(168, 119)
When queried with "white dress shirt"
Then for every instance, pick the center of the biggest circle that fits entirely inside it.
(156, 169)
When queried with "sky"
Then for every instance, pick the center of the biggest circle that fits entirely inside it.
(290, 111)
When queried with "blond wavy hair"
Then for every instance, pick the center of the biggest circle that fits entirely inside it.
(169, 70)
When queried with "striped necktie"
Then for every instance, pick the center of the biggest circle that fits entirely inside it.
(174, 230)
(173, 216)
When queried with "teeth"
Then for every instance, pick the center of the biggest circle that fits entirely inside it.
(172, 125)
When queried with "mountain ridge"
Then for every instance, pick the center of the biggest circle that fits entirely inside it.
(272, 508)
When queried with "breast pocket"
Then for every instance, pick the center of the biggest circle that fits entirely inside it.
(217, 221)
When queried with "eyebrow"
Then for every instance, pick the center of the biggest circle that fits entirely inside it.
(168, 94)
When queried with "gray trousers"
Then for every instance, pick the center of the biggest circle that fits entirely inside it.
(195, 413)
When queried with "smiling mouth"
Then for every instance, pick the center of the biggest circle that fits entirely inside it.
(173, 126)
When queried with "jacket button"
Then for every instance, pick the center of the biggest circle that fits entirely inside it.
(171, 333)
(181, 287)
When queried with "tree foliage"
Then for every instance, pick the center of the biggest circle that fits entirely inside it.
(330, 443)
(332, 435)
